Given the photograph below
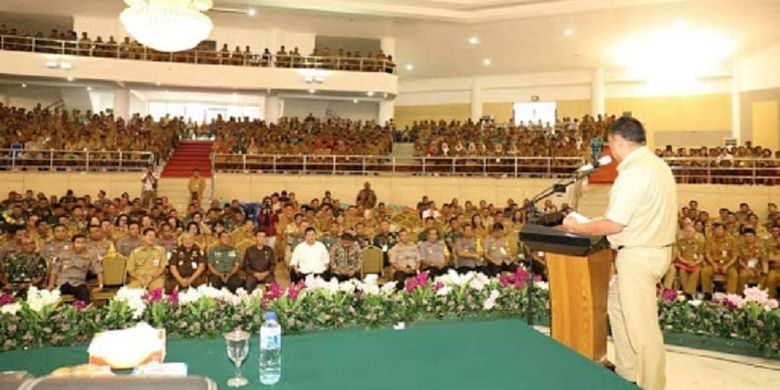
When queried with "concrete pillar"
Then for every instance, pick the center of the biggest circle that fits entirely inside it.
(736, 109)
(597, 98)
(122, 103)
(386, 111)
(274, 39)
(476, 100)
(273, 109)
(387, 44)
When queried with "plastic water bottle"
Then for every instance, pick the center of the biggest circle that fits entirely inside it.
(270, 350)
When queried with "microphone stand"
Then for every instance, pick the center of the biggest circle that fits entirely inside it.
(533, 214)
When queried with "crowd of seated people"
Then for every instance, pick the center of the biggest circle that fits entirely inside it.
(756, 164)
(67, 242)
(69, 42)
(311, 136)
(34, 132)
(734, 248)
(568, 138)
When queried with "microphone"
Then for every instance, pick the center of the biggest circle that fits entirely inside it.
(587, 168)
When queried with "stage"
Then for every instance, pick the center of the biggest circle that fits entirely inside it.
(498, 354)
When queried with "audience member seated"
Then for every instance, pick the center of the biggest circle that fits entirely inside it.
(69, 272)
(187, 265)
(309, 257)
(404, 257)
(224, 264)
(147, 263)
(259, 262)
(345, 260)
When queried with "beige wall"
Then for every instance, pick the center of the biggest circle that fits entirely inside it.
(757, 122)
(576, 108)
(57, 183)
(405, 115)
(501, 112)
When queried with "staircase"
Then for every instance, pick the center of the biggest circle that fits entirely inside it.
(175, 175)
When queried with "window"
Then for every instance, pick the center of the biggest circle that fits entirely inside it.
(201, 112)
(543, 112)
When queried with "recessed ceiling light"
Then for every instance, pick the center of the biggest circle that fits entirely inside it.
(70, 78)
(251, 12)
(474, 40)
(409, 67)
(568, 32)
(24, 85)
(487, 62)
(370, 93)
(312, 91)
(385, 95)
(354, 101)
(89, 88)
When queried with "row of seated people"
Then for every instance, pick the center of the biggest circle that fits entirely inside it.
(569, 138)
(34, 132)
(756, 164)
(332, 136)
(68, 42)
(57, 245)
(736, 248)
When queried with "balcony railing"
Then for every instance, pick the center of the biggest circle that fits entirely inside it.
(209, 57)
(686, 170)
(538, 167)
(74, 160)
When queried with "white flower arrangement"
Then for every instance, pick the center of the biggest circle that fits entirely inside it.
(37, 299)
(134, 298)
(490, 302)
(11, 309)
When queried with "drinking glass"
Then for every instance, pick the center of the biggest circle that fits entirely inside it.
(237, 350)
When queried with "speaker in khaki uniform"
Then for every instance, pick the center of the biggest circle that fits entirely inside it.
(640, 223)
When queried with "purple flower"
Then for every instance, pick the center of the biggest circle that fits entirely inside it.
(79, 304)
(411, 284)
(274, 291)
(154, 295)
(173, 298)
(669, 295)
(6, 299)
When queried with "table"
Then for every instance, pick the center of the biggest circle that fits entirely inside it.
(496, 354)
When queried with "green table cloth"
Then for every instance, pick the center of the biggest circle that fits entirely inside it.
(500, 354)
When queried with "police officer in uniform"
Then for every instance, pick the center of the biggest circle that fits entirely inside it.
(468, 250)
(640, 222)
(97, 244)
(187, 265)
(147, 264)
(58, 245)
(224, 264)
(404, 257)
(69, 271)
(688, 257)
(434, 254)
(259, 262)
(752, 259)
(721, 255)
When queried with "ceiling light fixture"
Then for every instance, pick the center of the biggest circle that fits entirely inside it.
(168, 25)
(474, 40)
(409, 67)
(354, 101)
(312, 91)
(24, 85)
(568, 32)
(370, 93)
(487, 62)
(251, 12)
(70, 78)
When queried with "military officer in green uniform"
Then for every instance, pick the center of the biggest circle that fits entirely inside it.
(21, 270)
(187, 265)
(69, 271)
(147, 263)
(224, 264)
(687, 257)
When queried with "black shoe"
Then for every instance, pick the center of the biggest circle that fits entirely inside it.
(707, 296)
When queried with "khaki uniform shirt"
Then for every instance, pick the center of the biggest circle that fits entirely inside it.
(223, 258)
(433, 252)
(345, 260)
(405, 255)
(752, 256)
(147, 260)
(692, 251)
(497, 249)
(643, 200)
(72, 267)
(722, 250)
(54, 248)
(187, 260)
(126, 245)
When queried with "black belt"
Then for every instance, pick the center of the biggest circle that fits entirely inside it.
(621, 247)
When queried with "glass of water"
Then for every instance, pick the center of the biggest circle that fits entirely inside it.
(237, 350)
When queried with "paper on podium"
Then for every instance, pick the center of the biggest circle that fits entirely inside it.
(578, 217)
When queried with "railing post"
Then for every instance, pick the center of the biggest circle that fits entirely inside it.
(243, 161)
(305, 161)
(453, 166)
(120, 160)
(423, 165)
(32, 45)
(364, 165)
(273, 162)
(51, 160)
(170, 57)
(549, 167)
(196, 56)
(13, 160)
(484, 166)
(334, 165)
(515, 167)
(86, 164)
(393, 162)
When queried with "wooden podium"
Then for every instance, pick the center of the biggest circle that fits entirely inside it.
(578, 269)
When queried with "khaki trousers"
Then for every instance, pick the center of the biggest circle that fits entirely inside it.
(633, 315)
(689, 280)
(708, 275)
(771, 282)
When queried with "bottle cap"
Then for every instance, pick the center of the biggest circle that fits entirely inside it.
(269, 315)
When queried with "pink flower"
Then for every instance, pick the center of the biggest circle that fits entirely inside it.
(80, 305)
(274, 291)
(173, 298)
(411, 284)
(437, 286)
(669, 295)
(6, 299)
(154, 295)
(295, 290)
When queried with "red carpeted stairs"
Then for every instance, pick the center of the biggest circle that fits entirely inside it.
(189, 155)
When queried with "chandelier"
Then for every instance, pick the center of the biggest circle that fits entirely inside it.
(167, 25)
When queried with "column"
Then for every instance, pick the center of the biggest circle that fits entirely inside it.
(736, 103)
(387, 44)
(476, 100)
(122, 103)
(597, 93)
(386, 111)
(273, 40)
(273, 109)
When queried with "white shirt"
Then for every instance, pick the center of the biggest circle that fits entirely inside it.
(431, 213)
(310, 259)
(148, 182)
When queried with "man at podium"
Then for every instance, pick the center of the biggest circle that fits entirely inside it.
(640, 223)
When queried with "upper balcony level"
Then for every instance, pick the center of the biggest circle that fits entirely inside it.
(223, 69)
